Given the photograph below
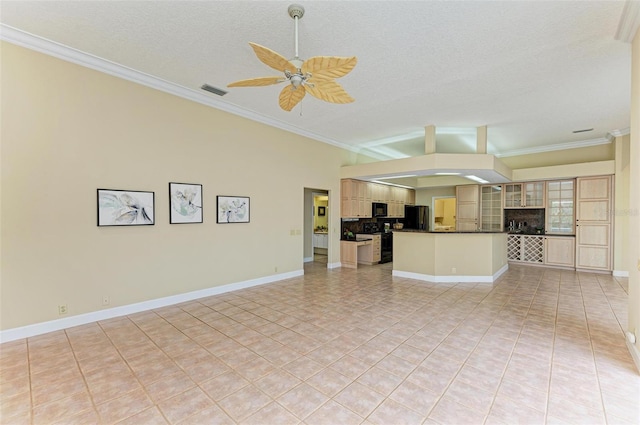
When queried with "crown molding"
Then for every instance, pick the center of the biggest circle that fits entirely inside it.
(66, 53)
(629, 21)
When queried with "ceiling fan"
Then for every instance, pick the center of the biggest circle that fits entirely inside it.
(315, 76)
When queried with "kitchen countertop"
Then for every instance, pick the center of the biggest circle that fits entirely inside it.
(445, 231)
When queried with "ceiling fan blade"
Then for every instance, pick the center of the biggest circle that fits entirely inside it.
(329, 67)
(329, 91)
(253, 82)
(272, 59)
(290, 97)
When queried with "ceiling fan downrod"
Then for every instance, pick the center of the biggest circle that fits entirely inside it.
(296, 12)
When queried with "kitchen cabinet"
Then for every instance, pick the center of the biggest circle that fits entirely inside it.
(356, 197)
(594, 223)
(556, 251)
(560, 210)
(320, 243)
(560, 251)
(352, 252)
(524, 195)
(372, 256)
(467, 207)
(491, 208)
(525, 248)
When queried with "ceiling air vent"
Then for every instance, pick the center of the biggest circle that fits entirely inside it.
(213, 90)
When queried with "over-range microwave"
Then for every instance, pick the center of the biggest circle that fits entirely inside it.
(378, 209)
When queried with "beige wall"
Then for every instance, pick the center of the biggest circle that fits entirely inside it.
(597, 153)
(634, 199)
(621, 210)
(68, 130)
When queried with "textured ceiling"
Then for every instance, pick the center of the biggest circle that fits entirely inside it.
(531, 71)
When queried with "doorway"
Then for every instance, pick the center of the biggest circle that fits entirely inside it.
(444, 213)
(317, 226)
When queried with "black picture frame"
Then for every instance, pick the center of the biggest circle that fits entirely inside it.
(233, 209)
(185, 203)
(125, 208)
(322, 211)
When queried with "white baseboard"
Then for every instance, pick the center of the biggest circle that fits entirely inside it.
(620, 273)
(308, 259)
(83, 319)
(334, 265)
(450, 279)
(635, 353)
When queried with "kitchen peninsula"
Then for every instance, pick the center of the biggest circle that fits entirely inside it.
(449, 256)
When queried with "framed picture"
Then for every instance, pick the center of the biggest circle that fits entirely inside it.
(185, 203)
(322, 211)
(125, 208)
(233, 209)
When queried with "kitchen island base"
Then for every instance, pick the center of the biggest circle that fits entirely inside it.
(450, 257)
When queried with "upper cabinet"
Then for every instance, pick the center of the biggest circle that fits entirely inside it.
(467, 207)
(524, 195)
(560, 207)
(356, 197)
(491, 208)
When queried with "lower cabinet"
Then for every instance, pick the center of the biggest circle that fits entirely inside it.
(560, 251)
(320, 243)
(543, 250)
(525, 248)
(374, 256)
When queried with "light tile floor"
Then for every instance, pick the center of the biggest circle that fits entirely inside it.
(343, 347)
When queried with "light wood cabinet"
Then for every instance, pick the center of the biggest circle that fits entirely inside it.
(352, 253)
(467, 207)
(525, 248)
(491, 216)
(594, 223)
(560, 251)
(560, 212)
(524, 195)
(356, 197)
(372, 256)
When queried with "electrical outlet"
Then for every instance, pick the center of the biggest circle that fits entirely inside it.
(62, 309)
(453, 270)
(105, 300)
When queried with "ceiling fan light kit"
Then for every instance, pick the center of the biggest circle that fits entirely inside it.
(315, 76)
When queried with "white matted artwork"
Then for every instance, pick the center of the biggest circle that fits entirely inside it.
(125, 208)
(233, 209)
(185, 201)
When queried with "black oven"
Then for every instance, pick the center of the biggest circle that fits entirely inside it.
(378, 209)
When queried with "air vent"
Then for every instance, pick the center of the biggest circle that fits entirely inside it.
(582, 131)
(213, 90)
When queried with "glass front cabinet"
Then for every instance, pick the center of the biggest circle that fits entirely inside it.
(524, 195)
(491, 208)
(560, 207)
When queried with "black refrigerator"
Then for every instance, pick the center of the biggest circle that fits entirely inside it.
(416, 217)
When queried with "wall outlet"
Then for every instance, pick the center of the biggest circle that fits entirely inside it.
(62, 309)
(105, 300)
(453, 270)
